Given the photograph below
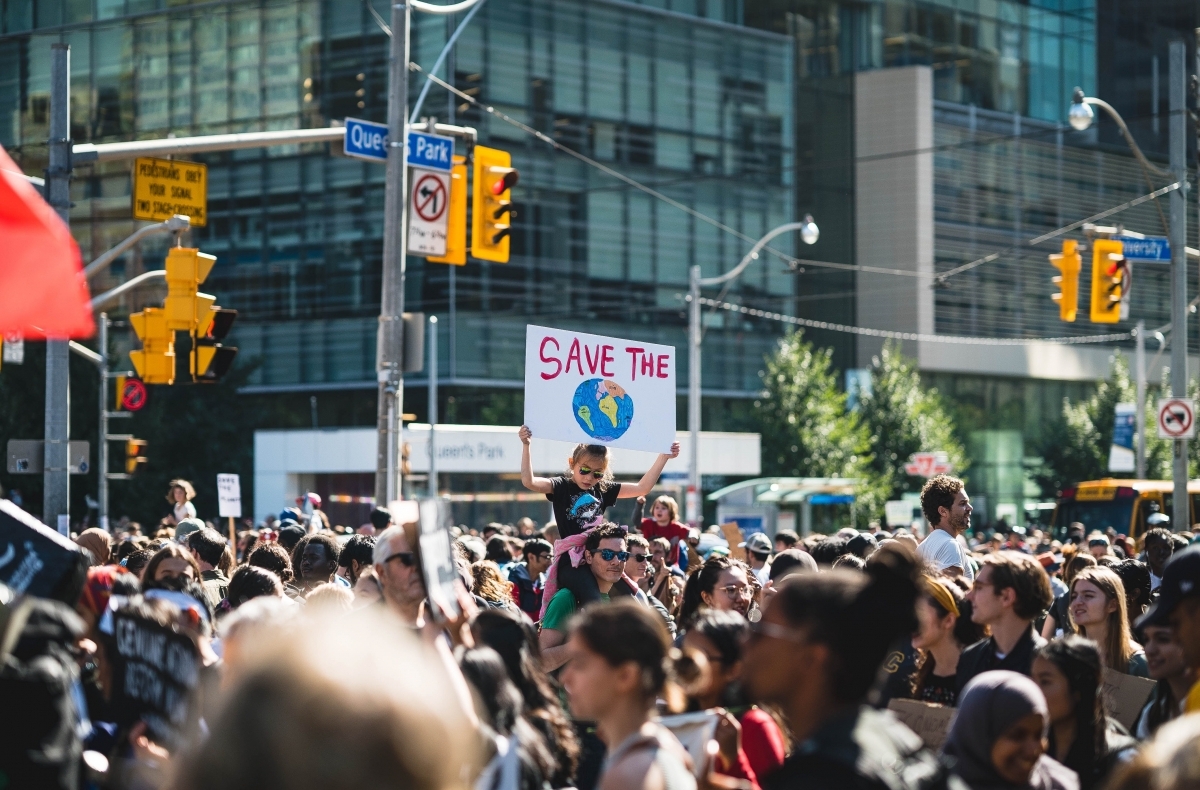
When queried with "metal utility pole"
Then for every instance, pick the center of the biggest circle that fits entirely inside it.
(692, 501)
(1177, 142)
(102, 450)
(1139, 360)
(55, 472)
(433, 406)
(390, 343)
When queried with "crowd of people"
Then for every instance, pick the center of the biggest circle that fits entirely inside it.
(604, 651)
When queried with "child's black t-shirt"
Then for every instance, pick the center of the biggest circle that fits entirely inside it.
(575, 507)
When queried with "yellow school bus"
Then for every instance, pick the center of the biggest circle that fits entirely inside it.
(1121, 504)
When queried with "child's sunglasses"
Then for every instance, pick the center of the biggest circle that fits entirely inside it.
(596, 473)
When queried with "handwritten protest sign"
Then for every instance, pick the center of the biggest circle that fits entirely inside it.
(599, 390)
(733, 536)
(1124, 696)
(930, 722)
(155, 670)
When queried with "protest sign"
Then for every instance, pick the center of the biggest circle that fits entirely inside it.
(36, 560)
(437, 561)
(733, 536)
(155, 670)
(930, 722)
(229, 496)
(599, 390)
(694, 731)
(1124, 696)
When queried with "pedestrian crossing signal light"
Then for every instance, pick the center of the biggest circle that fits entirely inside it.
(456, 230)
(1068, 263)
(491, 204)
(155, 362)
(1107, 281)
(135, 455)
(210, 360)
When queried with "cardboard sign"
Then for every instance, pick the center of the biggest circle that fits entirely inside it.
(694, 731)
(599, 390)
(36, 560)
(733, 536)
(437, 562)
(155, 670)
(930, 722)
(229, 496)
(1124, 696)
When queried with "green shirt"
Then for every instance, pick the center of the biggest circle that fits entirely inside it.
(561, 609)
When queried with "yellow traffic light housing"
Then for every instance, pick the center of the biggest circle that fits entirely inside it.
(1107, 255)
(135, 455)
(1068, 263)
(491, 204)
(155, 362)
(187, 309)
(456, 232)
(210, 360)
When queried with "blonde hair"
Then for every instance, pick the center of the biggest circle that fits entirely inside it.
(1117, 650)
(489, 584)
(669, 503)
(597, 451)
(332, 595)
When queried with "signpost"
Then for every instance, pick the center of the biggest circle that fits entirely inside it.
(428, 221)
(1176, 418)
(1148, 249)
(163, 188)
(366, 140)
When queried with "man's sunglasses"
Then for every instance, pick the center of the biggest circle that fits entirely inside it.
(596, 473)
(641, 557)
(608, 555)
(407, 558)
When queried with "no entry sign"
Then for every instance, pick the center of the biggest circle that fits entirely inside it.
(1176, 418)
(428, 216)
(133, 395)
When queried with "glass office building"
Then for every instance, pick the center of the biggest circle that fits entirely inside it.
(684, 100)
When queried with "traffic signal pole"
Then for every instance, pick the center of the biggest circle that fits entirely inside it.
(56, 478)
(390, 343)
(1177, 142)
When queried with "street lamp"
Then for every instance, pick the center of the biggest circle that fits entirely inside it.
(1080, 116)
(809, 233)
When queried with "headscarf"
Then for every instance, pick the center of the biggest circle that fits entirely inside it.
(98, 588)
(96, 541)
(989, 705)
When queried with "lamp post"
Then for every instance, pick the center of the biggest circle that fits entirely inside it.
(809, 233)
(1080, 117)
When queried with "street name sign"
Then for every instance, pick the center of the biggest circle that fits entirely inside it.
(366, 140)
(1151, 249)
(1176, 418)
(163, 188)
(428, 212)
(430, 151)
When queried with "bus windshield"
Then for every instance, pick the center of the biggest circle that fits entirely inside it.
(1115, 513)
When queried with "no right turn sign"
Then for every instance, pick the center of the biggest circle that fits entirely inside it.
(1176, 418)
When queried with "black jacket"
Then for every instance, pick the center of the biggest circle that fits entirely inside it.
(526, 590)
(864, 749)
(981, 657)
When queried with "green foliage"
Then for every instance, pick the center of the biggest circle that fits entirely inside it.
(1076, 446)
(806, 429)
(903, 418)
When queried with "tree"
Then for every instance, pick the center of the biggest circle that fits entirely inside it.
(1076, 446)
(902, 418)
(806, 429)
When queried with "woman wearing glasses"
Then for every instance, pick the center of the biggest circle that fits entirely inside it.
(579, 499)
(722, 583)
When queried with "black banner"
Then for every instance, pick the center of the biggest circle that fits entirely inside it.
(36, 560)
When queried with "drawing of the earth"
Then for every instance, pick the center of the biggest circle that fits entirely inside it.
(603, 409)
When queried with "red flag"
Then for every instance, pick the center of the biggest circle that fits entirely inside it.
(42, 289)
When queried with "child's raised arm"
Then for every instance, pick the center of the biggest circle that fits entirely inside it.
(540, 485)
(646, 484)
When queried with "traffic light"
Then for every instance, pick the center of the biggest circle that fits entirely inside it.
(491, 204)
(210, 360)
(187, 309)
(456, 232)
(135, 455)
(1107, 255)
(155, 362)
(1068, 263)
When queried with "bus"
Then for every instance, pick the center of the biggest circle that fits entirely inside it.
(1121, 504)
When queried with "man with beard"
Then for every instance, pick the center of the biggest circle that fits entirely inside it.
(945, 503)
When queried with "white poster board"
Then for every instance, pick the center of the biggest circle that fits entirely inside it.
(229, 496)
(599, 390)
(437, 561)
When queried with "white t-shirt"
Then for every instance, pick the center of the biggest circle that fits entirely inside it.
(941, 551)
(184, 510)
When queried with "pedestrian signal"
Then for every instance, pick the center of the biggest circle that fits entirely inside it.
(155, 362)
(135, 455)
(1068, 263)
